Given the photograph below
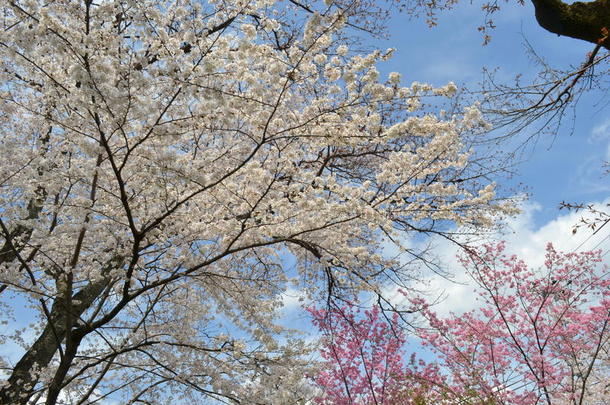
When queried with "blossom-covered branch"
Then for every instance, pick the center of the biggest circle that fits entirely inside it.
(157, 156)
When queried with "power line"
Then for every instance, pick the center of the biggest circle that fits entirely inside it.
(601, 241)
(582, 243)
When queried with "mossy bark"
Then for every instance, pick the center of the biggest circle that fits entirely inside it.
(579, 20)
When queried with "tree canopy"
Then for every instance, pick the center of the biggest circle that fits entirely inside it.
(158, 160)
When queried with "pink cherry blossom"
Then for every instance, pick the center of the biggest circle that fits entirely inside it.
(540, 337)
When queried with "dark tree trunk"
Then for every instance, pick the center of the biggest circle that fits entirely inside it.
(21, 383)
(584, 21)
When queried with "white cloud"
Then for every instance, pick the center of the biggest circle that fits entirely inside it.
(601, 134)
(601, 131)
(293, 299)
(522, 238)
(528, 242)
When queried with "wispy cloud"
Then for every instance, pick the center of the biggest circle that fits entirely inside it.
(523, 238)
(600, 134)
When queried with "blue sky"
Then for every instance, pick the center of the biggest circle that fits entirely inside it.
(562, 168)
(567, 167)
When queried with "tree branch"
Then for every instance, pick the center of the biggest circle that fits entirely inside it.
(579, 20)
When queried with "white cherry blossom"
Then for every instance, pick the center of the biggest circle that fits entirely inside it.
(159, 159)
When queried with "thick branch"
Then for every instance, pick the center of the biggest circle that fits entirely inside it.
(579, 20)
(21, 383)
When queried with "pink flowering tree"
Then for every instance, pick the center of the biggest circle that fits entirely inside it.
(364, 360)
(362, 356)
(539, 336)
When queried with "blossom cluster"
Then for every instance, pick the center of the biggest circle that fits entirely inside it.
(157, 156)
(538, 336)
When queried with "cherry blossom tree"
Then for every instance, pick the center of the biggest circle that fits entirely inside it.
(547, 99)
(158, 158)
(362, 357)
(540, 336)
(364, 361)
